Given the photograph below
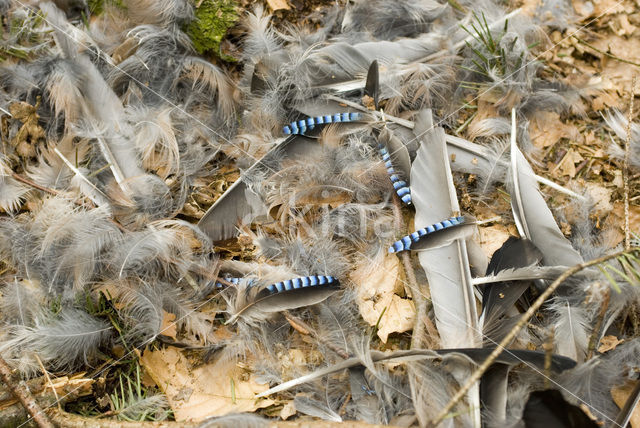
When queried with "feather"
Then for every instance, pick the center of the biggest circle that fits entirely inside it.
(100, 103)
(238, 201)
(96, 195)
(497, 298)
(435, 198)
(12, 192)
(548, 408)
(311, 407)
(247, 420)
(571, 327)
(372, 84)
(493, 393)
(476, 159)
(288, 294)
(472, 355)
(618, 123)
(526, 273)
(436, 235)
(533, 217)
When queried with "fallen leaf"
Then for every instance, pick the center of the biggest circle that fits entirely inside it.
(278, 4)
(399, 317)
(620, 394)
(168, 327)
(288, 410)
(546, 129)
(492, 238)
(609, 343)
(567, 165)
(203, 391)
(377, 285)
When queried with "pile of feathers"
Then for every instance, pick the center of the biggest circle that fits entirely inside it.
(113, 129)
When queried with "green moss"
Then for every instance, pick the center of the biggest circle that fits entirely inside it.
(213, 19)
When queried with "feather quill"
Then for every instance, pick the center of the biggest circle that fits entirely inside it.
(472, 355)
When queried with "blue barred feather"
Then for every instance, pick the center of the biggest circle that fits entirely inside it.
(400, 186)
(301, 126)
(303, 282)
(405, 243)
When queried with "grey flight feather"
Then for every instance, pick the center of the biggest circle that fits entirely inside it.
(434, 197)
(239, 202)
(533, 217)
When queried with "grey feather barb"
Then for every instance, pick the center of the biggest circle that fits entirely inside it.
(269, 302)
(629, 407)
(473, 355)
(239, 202)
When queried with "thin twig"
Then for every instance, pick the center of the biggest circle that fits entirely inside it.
(610, 55)
(625, 169)
(33, 184)
(418, 338)
(46, 376)
(477, 374)
(22, 393)
(593, 340)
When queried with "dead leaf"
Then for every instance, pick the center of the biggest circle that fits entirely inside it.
(492, 238)
(399, 317)
(204, 391)
(278, 4)
(288, 410)
(567, 165)
(168, 327)
(620, 394)
(377, 285)
(609, 343)
(546, 129)
(609, 7)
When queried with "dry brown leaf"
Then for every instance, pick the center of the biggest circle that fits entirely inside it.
(168, 327)
(399, 317)
(601, 196)
(567, 165)
(492, 238)
(609, 343)
(278, 4)
(546, 129)
(620, 394)
(203, 391)
(609, 7)
(377, 283)
(288, 410)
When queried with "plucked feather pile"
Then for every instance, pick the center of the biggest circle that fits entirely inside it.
(299, 204)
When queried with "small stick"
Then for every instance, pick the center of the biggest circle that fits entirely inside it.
(593, 341)
(601, 52)
(625, 169)
(46, 375)
(477, 374)
(22, 393)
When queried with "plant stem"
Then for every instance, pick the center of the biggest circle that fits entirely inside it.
(477, 374)
(625, 169)
(24, 395)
